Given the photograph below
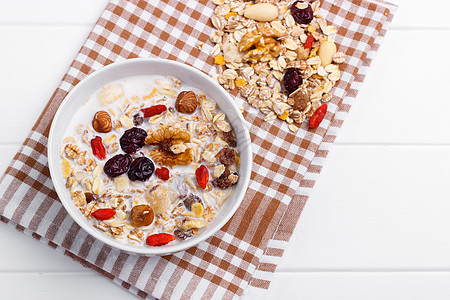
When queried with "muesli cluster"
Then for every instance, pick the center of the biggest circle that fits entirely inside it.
(281, 56)
(150, 168)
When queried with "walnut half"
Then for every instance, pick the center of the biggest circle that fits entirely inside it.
(169, 139)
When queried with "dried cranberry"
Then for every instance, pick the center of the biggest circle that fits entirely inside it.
(138, 118)
(133, 140)
(117, 165)
(190, 200)
(183, 234)
(302, 16)
(226, 156)
(141, 169)
(229, 138)
(163, 173)
(292, 79)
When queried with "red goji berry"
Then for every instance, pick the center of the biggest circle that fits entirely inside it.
(308, 43)
(153, 110)
(104, 213)
(317, 117)
(159, 239)
(202, 176)
(97, 147)
(163, 173)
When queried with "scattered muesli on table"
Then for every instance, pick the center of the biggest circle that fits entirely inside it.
(150, 159)
(280, 55)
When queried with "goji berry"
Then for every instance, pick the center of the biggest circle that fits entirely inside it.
(317, 117)
(163, 173)
(159, 239)
(104, 213)
(154, 110)
(202, 176)
(97, 147)
(308, 43)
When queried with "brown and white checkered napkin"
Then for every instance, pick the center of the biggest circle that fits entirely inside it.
(240, 258)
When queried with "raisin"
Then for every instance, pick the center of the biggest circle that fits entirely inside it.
(117, 165)
(133, 140)
(142, 215)
(292, 80)
(302, 16)
(223, 182)
(141, 169)
(226, 156)
(229, 138)
(138, 118)
(183, 234)
(191, 199)
(90, 197)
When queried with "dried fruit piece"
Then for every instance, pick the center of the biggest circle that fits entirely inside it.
(302, 12)
(102, 122)
(138, 118)
(224, 182)
(183, 234)
(104, 213)
(301, 99)
(198, 209)
(163, 173)
(90, 197)
(159, 239)
(133, 140)
(292, 79)
(318, 116)
(118, 165)
(186, 102)
(229, 138)
(226, 156)
(158, 198)
(189, 224)
(309, 42)
(141, 169)
(154, 110)
(66, 168)
(219, 60)
(202, 175)
(191, 200)
(142, 215)
(97, 147)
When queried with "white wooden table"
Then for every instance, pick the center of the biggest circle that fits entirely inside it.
(377, 225)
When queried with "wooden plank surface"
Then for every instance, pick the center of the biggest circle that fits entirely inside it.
(376, 224)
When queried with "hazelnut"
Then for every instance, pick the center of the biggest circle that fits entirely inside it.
(186, 102)
(102, 122)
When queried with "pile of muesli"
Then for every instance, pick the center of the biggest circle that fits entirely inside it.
(138, 166)
(281, 56)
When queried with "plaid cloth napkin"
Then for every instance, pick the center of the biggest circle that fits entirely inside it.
(242, 256)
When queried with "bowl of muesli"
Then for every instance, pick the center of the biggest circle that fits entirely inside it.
(150, 156)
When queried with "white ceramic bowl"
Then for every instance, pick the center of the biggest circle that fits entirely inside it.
(149, 66)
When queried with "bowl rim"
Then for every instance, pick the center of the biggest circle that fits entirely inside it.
(149, 251)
